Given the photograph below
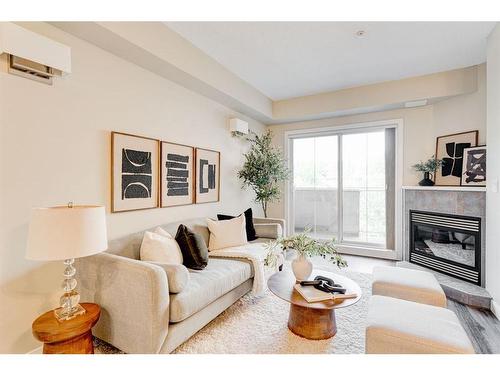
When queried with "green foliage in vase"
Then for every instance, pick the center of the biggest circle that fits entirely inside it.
(431, 165)
(264, 169)
(306, 246)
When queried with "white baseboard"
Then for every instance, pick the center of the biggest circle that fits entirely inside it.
(36, 351)
(495, 308)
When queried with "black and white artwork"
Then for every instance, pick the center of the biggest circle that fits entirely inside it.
(134, 172)
(474, 166)
(137, 174)
(207, 175)
(450, 149)
(177, 174)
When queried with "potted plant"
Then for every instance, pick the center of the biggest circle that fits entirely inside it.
(429, 168)
(305, 248)
(264, 169)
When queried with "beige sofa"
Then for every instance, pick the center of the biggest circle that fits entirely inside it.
(139, 314)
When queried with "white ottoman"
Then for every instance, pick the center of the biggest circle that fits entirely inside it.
(411, 285)
(397, 326)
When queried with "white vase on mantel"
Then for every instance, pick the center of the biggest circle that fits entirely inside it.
(302, 267)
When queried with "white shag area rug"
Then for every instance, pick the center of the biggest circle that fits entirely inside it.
(258, 325)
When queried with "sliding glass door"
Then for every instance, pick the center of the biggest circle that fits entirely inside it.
(343, 186)
(363, 188)
(315, 182)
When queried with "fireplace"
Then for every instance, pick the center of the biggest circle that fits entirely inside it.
(450, 244)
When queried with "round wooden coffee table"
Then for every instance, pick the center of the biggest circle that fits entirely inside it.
(314, 321)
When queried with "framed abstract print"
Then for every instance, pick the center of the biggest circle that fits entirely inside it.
(176, 174)
(134, 172)
(474, 167)
(450, 148)
(207, 176)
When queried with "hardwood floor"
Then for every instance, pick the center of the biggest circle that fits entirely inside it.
(481, 325)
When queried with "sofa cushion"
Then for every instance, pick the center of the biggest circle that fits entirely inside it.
(268, 231)
(226, 233)
(262, 240)
(197, 225)
(411, 285)
(177, 276)
(251, 235)
(157, 247)
(129, 246)
(193, 247)
(219, 277)
(396, 326)
(162, 232)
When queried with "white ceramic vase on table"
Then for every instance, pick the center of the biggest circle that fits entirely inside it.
(302, 267)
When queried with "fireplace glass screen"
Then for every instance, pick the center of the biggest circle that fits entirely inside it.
(448, 244)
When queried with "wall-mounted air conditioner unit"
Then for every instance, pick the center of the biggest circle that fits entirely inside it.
(237, 127)
(32, 55)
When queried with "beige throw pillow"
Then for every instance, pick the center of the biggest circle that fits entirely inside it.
(160, 248)
(163, 232)
(227, 233)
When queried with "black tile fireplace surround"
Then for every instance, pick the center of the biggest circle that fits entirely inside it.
(447, 243)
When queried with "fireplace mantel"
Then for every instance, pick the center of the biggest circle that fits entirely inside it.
(446, 188)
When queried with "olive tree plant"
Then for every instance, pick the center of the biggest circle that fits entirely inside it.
(264, 169)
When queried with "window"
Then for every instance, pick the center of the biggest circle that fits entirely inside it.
(343, 185)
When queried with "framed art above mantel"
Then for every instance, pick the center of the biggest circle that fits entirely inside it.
(474, 167)
(450, 149)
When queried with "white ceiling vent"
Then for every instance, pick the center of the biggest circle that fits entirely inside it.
(416, 103)
(32, 55)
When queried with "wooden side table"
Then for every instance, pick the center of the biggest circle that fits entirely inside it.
(68, 337)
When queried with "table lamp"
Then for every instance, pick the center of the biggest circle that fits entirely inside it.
(65, 233)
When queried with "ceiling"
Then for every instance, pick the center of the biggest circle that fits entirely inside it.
(291, 59)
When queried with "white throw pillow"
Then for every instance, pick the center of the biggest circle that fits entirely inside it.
(162, 232)
(227, 233)
(159, 248)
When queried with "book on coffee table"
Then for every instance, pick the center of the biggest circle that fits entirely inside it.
(311, 294)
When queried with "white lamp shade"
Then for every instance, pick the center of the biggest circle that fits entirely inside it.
(58, 233)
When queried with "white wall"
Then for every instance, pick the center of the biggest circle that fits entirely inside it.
(492, 196)
(160, 49)
(55, 148)
(421, 127)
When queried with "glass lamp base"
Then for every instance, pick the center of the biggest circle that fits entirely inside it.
(63, 314)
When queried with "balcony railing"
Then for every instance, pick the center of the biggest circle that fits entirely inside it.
(317, 208)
